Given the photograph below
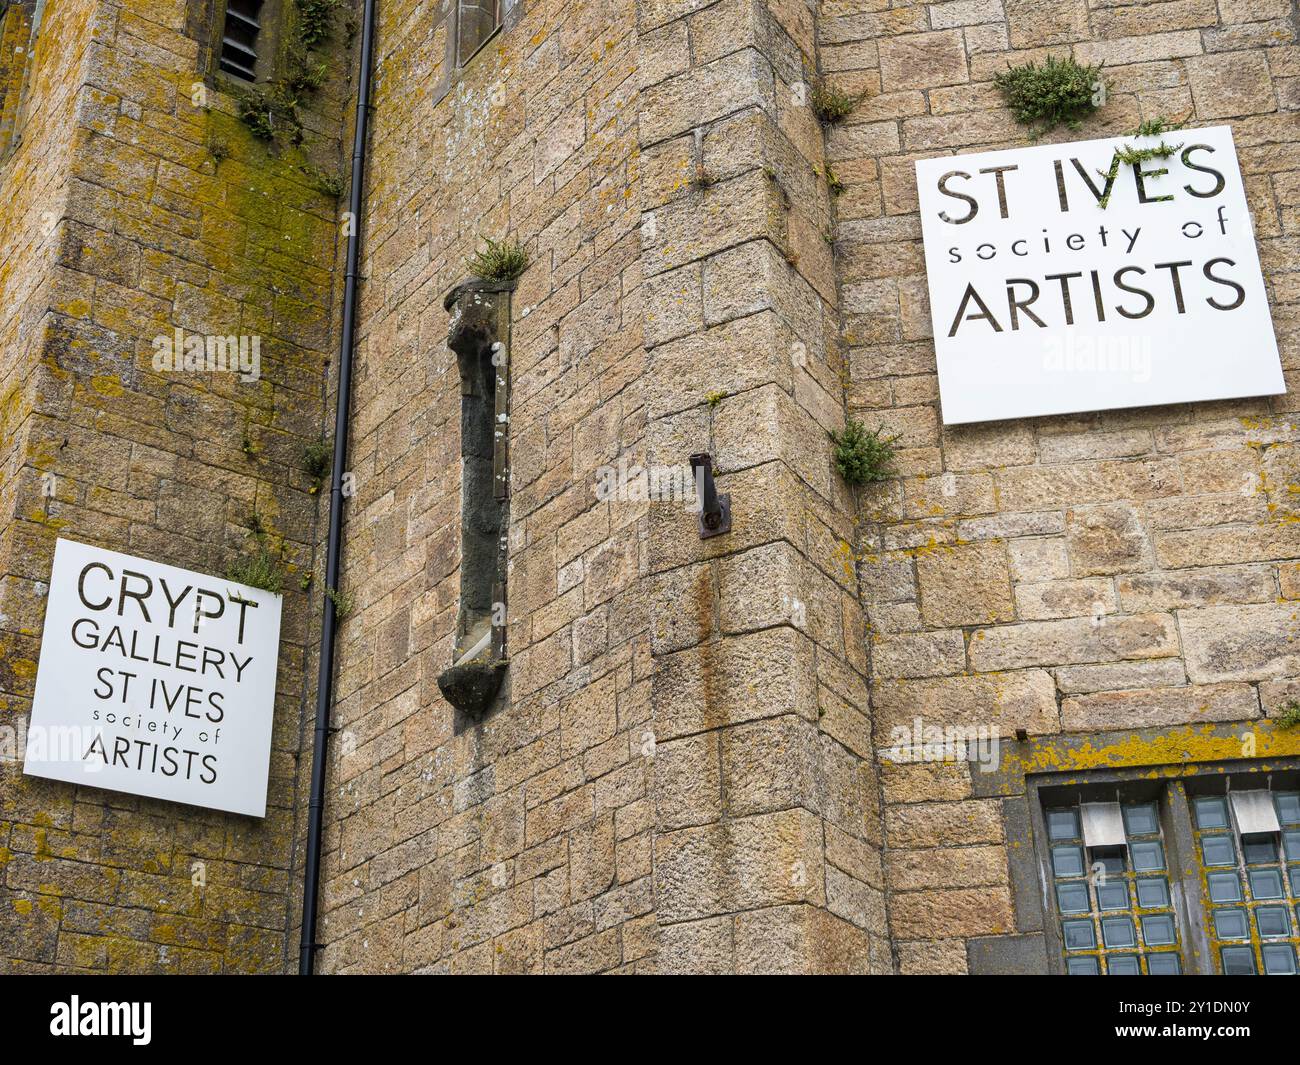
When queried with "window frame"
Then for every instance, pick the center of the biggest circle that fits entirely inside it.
(1126, 788)
(1173, 792)
(25, 21)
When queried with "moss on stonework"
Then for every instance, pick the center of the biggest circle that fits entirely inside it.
(270, 113)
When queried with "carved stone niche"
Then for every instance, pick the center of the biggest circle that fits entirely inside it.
(480, 337)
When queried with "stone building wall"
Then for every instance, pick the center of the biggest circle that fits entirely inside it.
(1097, 577)
(767, 854)
(522, 842)
(686, 769)
(678, 774)
(133, 207)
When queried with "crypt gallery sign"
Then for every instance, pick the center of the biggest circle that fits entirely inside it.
(155, 681)
(1082, 277)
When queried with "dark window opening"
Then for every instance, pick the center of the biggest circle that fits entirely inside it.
(239, 38)
(479, 336)
(476, 21)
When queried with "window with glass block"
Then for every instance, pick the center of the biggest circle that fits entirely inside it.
(1113, 899)
(1248, 853)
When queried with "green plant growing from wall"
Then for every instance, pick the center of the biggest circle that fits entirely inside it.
(316, 458)
(863, 455)
(836, 186)
(316, 20)
(343, 603)
(1058, 91)
(714, 398)
(303, 73)
(830, 105)
(1136, 157)
(325, 184)
(1290, 715)
(219, 149)
(501, 260)
(257, 112)
(260, 567)
(1155, 127)
(273, 111)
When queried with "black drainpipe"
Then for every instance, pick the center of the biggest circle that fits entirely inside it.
(325, 679)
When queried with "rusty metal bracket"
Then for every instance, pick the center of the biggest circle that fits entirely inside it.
(715, 510)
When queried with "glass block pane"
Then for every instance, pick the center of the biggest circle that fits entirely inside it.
(1111, 860)
(1224, 887)
(1295, 880)
(1153, 892)
(1140, 819)
(1259, 848)
(1279, 959)
(1118, 932)
(1273, 921)
(1238, 961)
(1265, 883)
(1082, 967)
(1123, 965)
(1165, 964)
(1291, 844)
(1063, 824)
(1158, 930)
(1231, 924)
(1078, 935)
(1073, 897)
(1147, 856)
(1112, 895)
(1288, 807)
(1218, 850)
(1212, 813)
(1067, 861)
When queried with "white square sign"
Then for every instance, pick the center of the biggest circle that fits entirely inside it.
(1044, 301)
(155, 681)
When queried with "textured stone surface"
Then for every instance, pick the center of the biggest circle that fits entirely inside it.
(119, 225)
(965, 585)
(1145, 551)
(681, 775)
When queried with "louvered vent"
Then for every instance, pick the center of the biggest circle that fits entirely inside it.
(239, 39)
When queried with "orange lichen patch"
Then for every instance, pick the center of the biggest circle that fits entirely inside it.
(107, 385)
(1167, 753)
